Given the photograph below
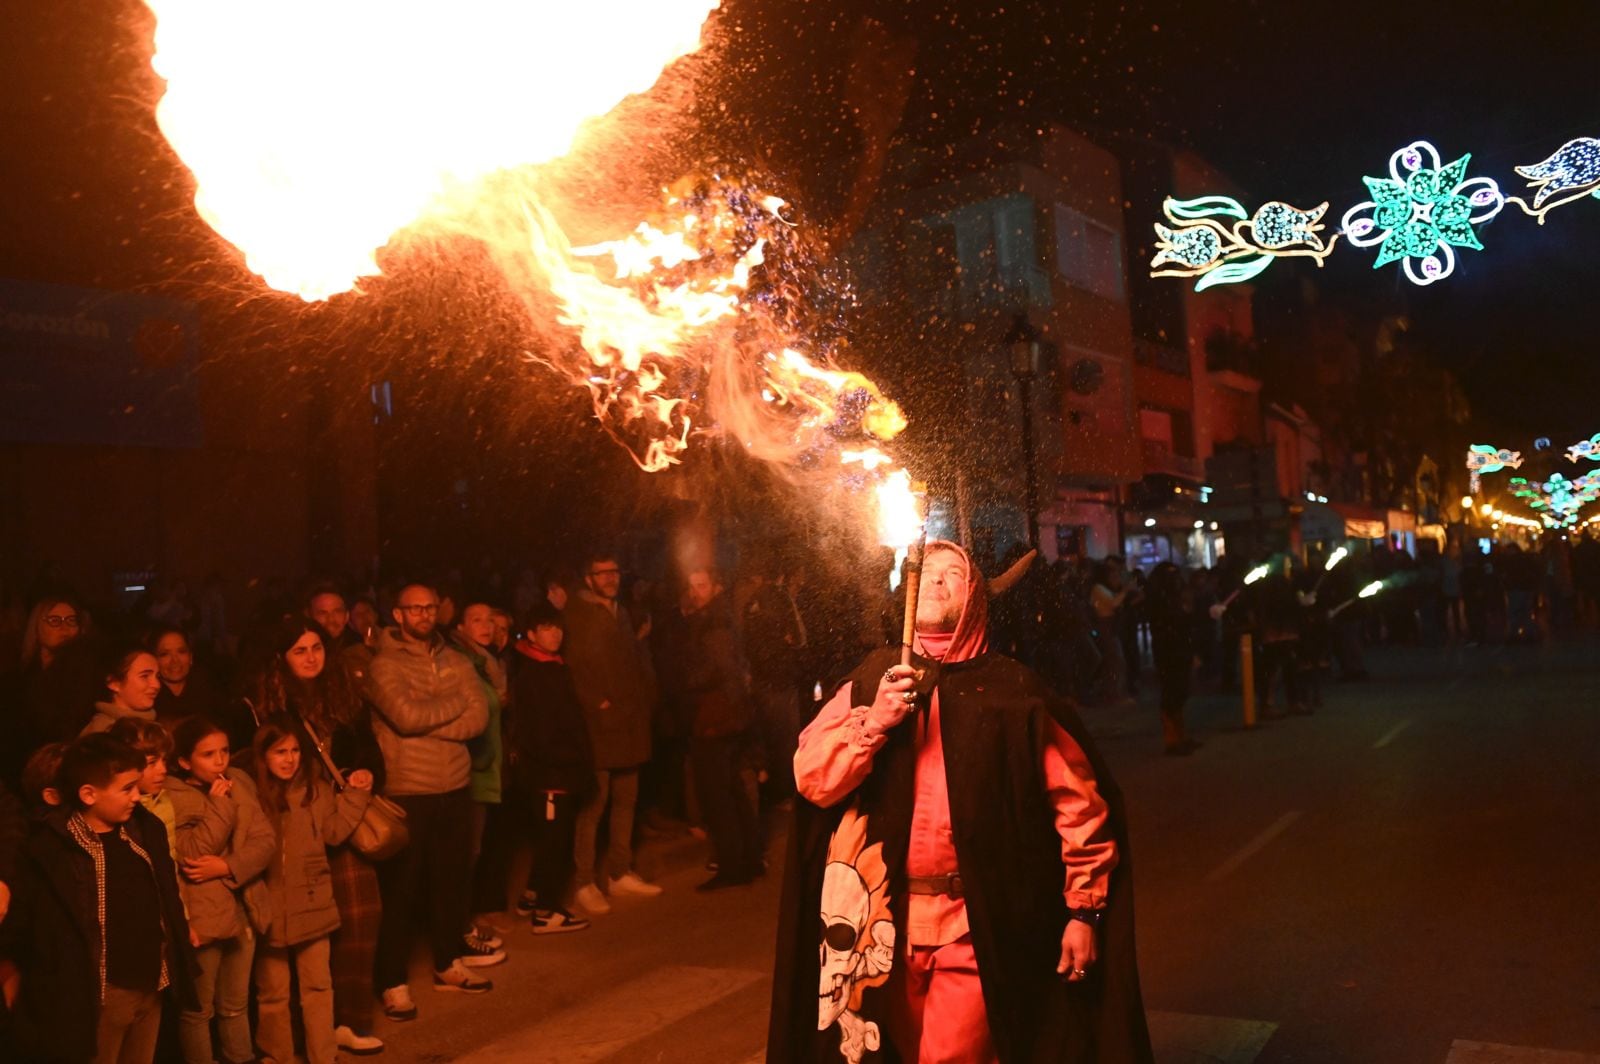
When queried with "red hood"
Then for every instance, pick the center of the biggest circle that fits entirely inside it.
(971, 637)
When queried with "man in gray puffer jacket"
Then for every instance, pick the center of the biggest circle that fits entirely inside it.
(428, 703)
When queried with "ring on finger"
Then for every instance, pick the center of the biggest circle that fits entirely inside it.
(1080, 972)
(908, 696)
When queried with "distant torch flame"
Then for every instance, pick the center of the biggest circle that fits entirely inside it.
(1258, 573)
(1371, 589)
(317, 130)
(1335, 558)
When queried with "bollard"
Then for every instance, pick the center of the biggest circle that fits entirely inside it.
(1247, 679)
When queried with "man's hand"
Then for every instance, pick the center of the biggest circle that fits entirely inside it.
(1077, 951)
(205, 869)
(895, 697)
(360, 779)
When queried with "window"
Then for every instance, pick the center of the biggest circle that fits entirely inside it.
(1088, 254)
(994, 254)
(1155, 426)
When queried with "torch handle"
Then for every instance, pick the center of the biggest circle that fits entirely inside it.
(912, 574)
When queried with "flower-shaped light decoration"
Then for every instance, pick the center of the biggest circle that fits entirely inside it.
(1422, 210)
(1214, 239)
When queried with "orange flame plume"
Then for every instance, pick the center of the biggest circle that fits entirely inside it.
(318, 132)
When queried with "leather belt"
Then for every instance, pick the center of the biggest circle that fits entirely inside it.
(949, 883)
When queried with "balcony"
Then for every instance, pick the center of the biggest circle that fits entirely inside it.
(1158, 458)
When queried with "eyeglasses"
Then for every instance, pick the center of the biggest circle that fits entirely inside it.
(69, 621)
(431, 607)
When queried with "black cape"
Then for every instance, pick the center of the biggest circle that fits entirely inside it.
(993, 714)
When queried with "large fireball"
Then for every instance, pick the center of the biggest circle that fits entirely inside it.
(317, 129)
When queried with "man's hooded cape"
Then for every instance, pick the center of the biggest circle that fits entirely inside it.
(993, 719)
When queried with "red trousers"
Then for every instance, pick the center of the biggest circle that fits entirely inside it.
(937, 1008)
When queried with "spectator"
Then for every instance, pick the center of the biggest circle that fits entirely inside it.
(325, 605)
(132, 682)
(1170, 608)
(59, 678)
(155, 743)
(300, 682)
(473, 637)
(224, 845)
(40, 787)
(714, 676)
(429, 703)
(308, 818)
(364, 621)
(188, 690)
(551, 764)
(774, 639)
(97, 862)
(500, 645)
(614, 686)
(1107, 598)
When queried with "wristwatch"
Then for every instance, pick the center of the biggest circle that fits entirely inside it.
(1091, 917)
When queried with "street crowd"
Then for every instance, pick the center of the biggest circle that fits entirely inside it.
(194, 818)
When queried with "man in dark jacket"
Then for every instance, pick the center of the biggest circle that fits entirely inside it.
(612, 674)
(959, 841)
(100, 931)
(714, 680)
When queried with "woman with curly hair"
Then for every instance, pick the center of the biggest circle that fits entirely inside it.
(300, 681)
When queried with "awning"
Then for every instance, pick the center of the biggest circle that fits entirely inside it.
(1362, 522)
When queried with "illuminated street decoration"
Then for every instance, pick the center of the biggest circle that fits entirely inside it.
(1416, 216)
(1589, 448)
(1421, 211)
(1203, 243)
(1484, 458)
(1570, 173)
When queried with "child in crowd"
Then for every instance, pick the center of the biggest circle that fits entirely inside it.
(154, 742)
(553, 765)
(41, 791)
(225, 844)
(308, 817)
(99, 930)
(133, 680)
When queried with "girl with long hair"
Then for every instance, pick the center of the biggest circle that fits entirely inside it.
(309, 817)
(318, 694)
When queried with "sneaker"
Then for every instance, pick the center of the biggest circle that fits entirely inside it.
(397, 1004)
(527, 903)
(484, 936)
(629, 883)
(361, 1045)
(556, 921)
(479, 954)
(591, 900)
(456, 978)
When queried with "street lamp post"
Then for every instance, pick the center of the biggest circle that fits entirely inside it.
(1022, 343)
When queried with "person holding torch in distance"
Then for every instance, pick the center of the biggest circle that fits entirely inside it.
(964, 847)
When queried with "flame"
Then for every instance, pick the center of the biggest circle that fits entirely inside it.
(899, 511)
(318, 130)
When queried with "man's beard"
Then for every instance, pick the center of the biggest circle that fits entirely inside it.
(938, 617)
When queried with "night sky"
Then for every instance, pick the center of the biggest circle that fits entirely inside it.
(1295, 101)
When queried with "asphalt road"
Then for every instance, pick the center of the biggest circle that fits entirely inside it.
(1410, 875)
